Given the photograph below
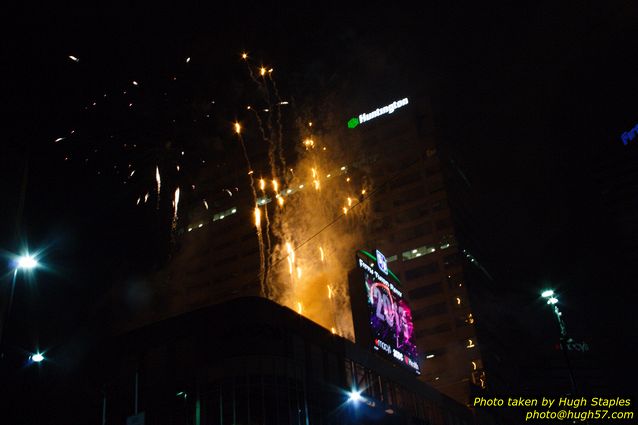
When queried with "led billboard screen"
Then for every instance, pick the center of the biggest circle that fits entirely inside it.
(389, 313)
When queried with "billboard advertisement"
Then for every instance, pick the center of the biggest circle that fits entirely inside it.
(390, 317)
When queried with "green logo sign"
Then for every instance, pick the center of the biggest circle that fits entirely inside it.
(353, 122)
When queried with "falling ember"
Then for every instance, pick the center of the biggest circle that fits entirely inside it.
(314, 173)
(321, 252)
(188, 59)
(333, 330)
(135, 83)
(345, 210)
(317, 185)
(329, 292)
(177, 166)
(363, 192)
(290, 266)
(257, 216)
(349, 201)
(244, 55)
(59, 139)
(291, 253)
(158, 180)
(237, 128)
(138, 201)
(299, 308)
(132, 172)
(262, 71)
(275, 186)
(205, 204)
(280, 200)
(73, 58)
(145, 198)
(309, 143)
(262, 184)
(176, 201)
(298, 272)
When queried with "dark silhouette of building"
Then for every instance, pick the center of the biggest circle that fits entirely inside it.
(250, 360)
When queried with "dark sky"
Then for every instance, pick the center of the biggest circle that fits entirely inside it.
(531, 99)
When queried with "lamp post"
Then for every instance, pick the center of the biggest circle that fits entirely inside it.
(23, 263)
(552, 301)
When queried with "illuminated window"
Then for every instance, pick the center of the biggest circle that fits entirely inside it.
(418, 252)
(447, 241)
(469, 319)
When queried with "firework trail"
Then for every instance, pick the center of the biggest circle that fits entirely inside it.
(260, 240)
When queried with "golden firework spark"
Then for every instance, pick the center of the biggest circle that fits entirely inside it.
(321, 252)
(237, 128)
(257, 216)
(176, 202)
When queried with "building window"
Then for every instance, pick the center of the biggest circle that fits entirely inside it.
(424, 270)
(443, 327)
(418, 252)
(425, 291)
(430, 311)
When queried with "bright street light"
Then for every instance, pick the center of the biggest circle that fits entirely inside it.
(552, 300)
(26, 262)
(37, 358)
(355, 396)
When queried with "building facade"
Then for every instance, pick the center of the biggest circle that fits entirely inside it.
(250, 360)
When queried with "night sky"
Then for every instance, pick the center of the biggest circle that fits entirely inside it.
(531, 101)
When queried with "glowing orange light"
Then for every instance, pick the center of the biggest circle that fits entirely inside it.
(257, 216)
(237, 128)
(244, 55)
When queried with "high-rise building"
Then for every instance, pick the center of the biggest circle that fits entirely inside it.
(398, 205)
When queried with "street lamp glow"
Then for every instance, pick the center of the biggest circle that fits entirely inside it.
(355, 396)
(548, 293)
(27, 262)
(37, 358)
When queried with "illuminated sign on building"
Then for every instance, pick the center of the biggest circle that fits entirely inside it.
(630, 135)
(381, 262)
(390, 315)
(388, 109)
